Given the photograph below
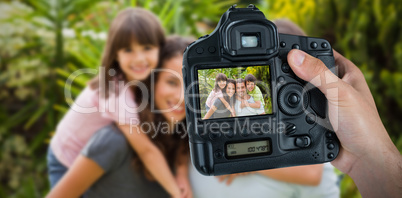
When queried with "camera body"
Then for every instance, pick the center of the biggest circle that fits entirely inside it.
(294, 127)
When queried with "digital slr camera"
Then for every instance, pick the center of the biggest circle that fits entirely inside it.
(245, 108)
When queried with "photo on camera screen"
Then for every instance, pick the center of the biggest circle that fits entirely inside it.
(235, 92)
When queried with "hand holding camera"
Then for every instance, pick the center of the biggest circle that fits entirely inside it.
(281, 120)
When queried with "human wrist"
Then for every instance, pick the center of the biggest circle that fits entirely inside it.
(182, 170)
(381, 167)
(174, 191)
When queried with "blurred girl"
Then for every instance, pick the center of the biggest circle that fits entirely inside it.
(105, 166)
(131, 52)
(220, 84)
(218, 109)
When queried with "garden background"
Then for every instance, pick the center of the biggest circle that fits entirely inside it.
(43, 41)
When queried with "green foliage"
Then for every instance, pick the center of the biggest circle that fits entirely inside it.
(43, 42)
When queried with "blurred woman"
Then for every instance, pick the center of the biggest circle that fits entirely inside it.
(108, 167)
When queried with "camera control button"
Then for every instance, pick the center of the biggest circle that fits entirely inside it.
(281, 79)
(282, 44)
(199, 50)
(211, 49)
(330, 155)
(293, 99)
(295, 46)
(285, 68)
(324, 45)
(314, 45)
(214, 135)
(310, 118)
(290, 129)
(229, 133)
(218, 154)
(330, 146)
(302, 142)
(266, 129)
(244, 132)
(329, 135)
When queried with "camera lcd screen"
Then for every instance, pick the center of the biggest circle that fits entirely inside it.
(248, 148)
(235, 91)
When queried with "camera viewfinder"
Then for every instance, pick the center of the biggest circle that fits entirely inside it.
(250, 40)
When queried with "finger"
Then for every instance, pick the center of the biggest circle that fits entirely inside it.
(352, 75)
(345, 66)
(190, 193)
(230, 179)
(221, 178)
(314, 71)
(340, 62)
(184, 193)
(183, 190)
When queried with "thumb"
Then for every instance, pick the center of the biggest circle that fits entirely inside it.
(314, 71)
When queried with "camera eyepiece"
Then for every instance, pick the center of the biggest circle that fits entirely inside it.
(246, 31)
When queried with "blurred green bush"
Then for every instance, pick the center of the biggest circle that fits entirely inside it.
(42, 42)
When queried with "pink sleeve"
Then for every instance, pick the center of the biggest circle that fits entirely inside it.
(121, 108)
(219, 94)
(213, 96)
(210, 97)
(87, 101)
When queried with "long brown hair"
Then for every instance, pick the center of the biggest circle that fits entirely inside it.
(219, 77)
(130, 25)
(230, 100)
(172, 146)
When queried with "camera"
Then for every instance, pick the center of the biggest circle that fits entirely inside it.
(245, 108)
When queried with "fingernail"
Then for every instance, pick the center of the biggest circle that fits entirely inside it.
(298, 57)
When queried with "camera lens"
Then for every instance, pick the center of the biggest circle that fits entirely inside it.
(248, 40)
